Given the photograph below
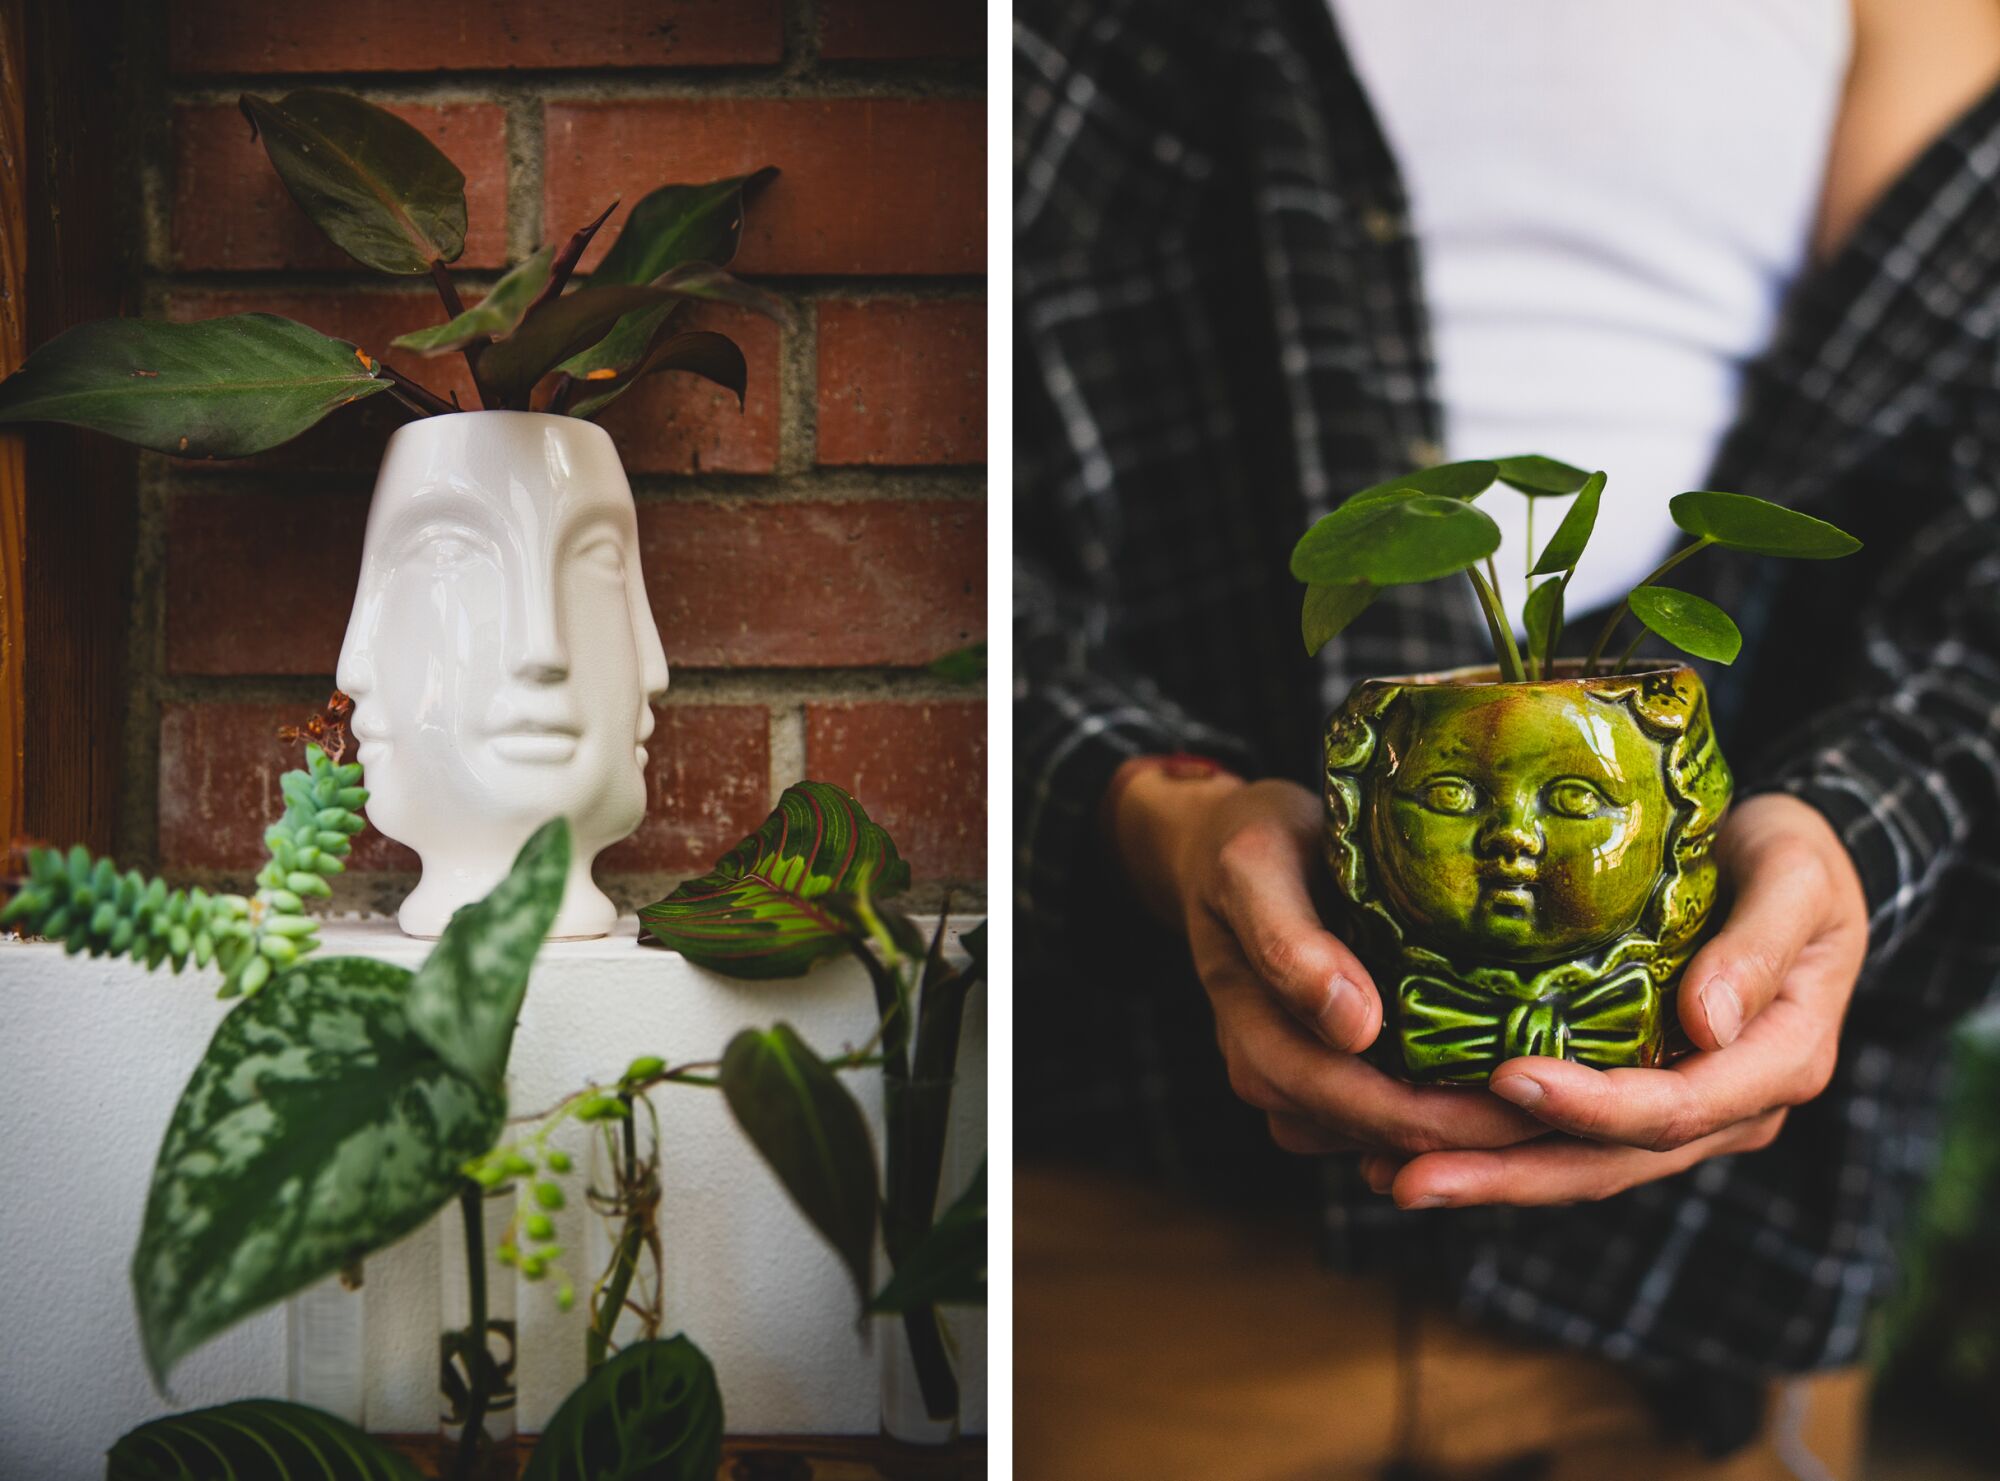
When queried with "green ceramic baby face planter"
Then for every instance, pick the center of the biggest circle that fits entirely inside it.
(1525, 867)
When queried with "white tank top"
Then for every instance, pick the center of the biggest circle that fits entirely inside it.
(1609, 199)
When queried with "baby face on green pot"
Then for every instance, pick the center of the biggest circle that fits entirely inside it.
(1518, 831)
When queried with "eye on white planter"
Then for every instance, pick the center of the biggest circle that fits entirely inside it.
(501, 655)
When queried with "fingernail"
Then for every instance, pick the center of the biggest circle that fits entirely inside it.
(1379, 1175)
(1522, 1090)
(1724, 1010)
(1429, 1200)
(1338, 1013)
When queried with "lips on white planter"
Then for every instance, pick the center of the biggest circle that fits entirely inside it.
(501, 655)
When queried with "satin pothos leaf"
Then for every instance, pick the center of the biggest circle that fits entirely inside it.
(809, 1128)
(680, 223)
(465, 997)
(318, 1128)
(779, 900)
(713, 357)
(653, 1413)
(221, 388)
(382, 192)
(265, 1438)
(496, 315)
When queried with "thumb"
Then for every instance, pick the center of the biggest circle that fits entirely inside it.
(1780, 887)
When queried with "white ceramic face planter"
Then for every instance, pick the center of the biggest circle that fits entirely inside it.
(501, 655)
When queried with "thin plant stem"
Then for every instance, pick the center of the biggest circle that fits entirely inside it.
(1528, 558)
(1618, 612)
(478, 1363)
(1504, 648)
(411, 394)
(1630, 648)
(453, 307)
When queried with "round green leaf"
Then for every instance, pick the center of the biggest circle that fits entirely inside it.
(265, 1438)
(1447, 480)
(1328, 610)
(1539, 477)
(653, 1413)
(1741, 522)
(1691, 623)
(1394, 541)
(1565, 547)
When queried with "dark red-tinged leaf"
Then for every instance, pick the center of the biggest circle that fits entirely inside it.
(1565, 547)
(677, 224)
(1742, 522)
(808, 1127)
(496, 315)
(382, 192)
(1691, 623)
(572, 251)
(266, 1438)
(222, 388)
(551, 334)
(1328, 610)
(762, 912)
(713, 357)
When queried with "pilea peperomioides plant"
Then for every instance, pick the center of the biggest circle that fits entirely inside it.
(385, 195)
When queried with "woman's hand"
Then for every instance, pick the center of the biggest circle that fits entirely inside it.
(1229, 863)
(1764, 1001)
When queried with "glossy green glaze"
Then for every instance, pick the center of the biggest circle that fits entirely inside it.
(1524, 868)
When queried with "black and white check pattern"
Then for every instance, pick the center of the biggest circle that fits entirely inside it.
(1220, 329)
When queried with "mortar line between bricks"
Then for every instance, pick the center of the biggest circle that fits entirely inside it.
(820, 287)
(798, 394)
(787, 745)
(526, 162)
(690, 686)
(858, 484)
(137, 835)
(887, 81)
(801, 25)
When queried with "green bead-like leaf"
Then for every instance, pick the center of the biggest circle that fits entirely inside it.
(713, 357)
(222, 388)
(467, 994)
(382, 192)
(1542, 616)
(653, 1413)
(948, 1265)
(1539, 477)
(809, 1128)
(1566, 545)
(1741, 522)
(677, 224)
(1447, 481)
(1329, 609)
(763, 910)
(318, 1128)
(1394, 541)
(264, 1438)
(1691, 623)
(497, 314)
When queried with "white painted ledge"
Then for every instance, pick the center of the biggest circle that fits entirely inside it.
(94, 1054)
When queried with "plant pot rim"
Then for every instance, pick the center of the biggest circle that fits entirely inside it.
(1569, 676)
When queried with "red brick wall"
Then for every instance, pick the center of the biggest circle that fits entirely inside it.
(807, 557)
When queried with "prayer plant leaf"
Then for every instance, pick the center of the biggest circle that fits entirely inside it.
(265, 1438)
(1542, 616)
(1447, 480)
(467, 994)
(382, 192)
(1691, 623)
(1565, 547)
(1394, 542)
(553, 332)
(653, 1413)
(318, 1128)
(809, 1128)
(764, 910)
(947, 1267)
(1741, 522)
(494, 316)
(677, 224)
(1539, 477)
(713, 357)
(1329, 609)
(222, 388)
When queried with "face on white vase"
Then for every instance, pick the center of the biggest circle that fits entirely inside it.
(501, 654)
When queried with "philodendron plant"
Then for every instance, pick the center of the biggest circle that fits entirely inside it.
(1522, 858)
(1426, 526)
(391, 200)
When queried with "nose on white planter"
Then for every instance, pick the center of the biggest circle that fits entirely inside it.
(501, 655)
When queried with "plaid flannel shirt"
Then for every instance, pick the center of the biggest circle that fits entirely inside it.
(1220, 330)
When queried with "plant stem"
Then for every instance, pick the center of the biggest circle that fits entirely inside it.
(935, 1379)
(1504, 647)
(453, 307)
(1630, 648)
(624, 1259)
(478, 1362)
(414, 396)
(1618, 612)
(1529, 557)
